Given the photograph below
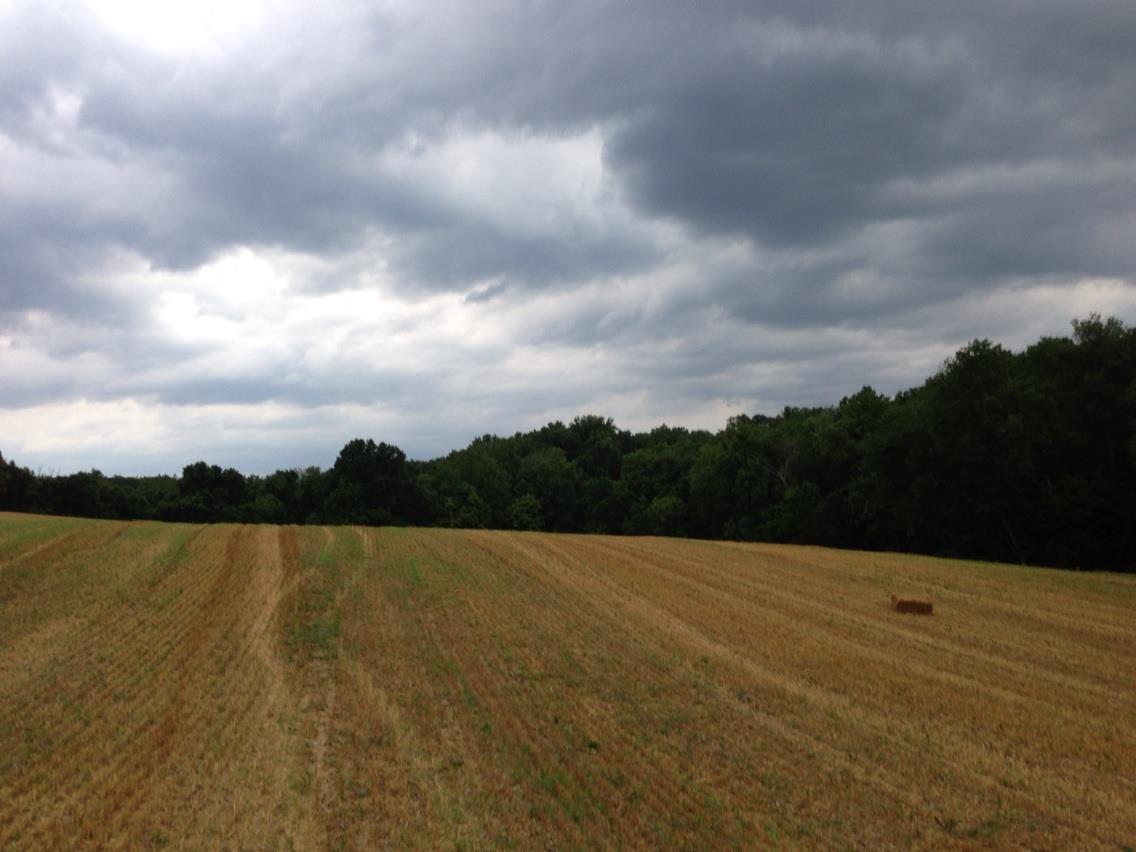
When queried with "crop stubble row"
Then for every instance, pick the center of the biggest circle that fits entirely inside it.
(365, 688)
(153, 720)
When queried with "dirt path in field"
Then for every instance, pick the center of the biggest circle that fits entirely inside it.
(272, 579)
(268, 587)
(327, 690)
(325, 780)
(320, 677)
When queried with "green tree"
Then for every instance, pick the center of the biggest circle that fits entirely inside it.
(525, 513)
(369, 484)
(450, 500)
(547, 475)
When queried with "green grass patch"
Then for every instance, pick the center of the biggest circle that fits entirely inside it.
(313, 629)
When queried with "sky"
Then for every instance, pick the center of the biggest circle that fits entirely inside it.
(247, 231)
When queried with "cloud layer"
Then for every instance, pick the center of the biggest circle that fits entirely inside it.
(266, 229)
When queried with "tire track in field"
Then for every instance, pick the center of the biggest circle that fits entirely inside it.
(320, 573)
(223, 724)
(373, 729)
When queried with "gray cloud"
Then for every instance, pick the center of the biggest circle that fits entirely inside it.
(787, 124)
(640, 185)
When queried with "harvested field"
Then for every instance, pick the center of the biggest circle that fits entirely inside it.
(288, 687)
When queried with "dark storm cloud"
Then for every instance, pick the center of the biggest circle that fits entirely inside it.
(773, 201)
(469, 252)
(794, 153)
(797, 142)
(237, 177)
(786, 124)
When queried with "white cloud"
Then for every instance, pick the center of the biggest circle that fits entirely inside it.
(181, 26)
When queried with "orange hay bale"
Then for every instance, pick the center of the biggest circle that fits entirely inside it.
(912, 606)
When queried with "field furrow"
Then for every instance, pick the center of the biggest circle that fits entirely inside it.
(354, 688)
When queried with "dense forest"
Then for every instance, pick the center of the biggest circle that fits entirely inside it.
(1027, 457)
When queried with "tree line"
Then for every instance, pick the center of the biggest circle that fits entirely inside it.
(1027, 457)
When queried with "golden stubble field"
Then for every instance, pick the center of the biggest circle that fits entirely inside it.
(300, 687)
